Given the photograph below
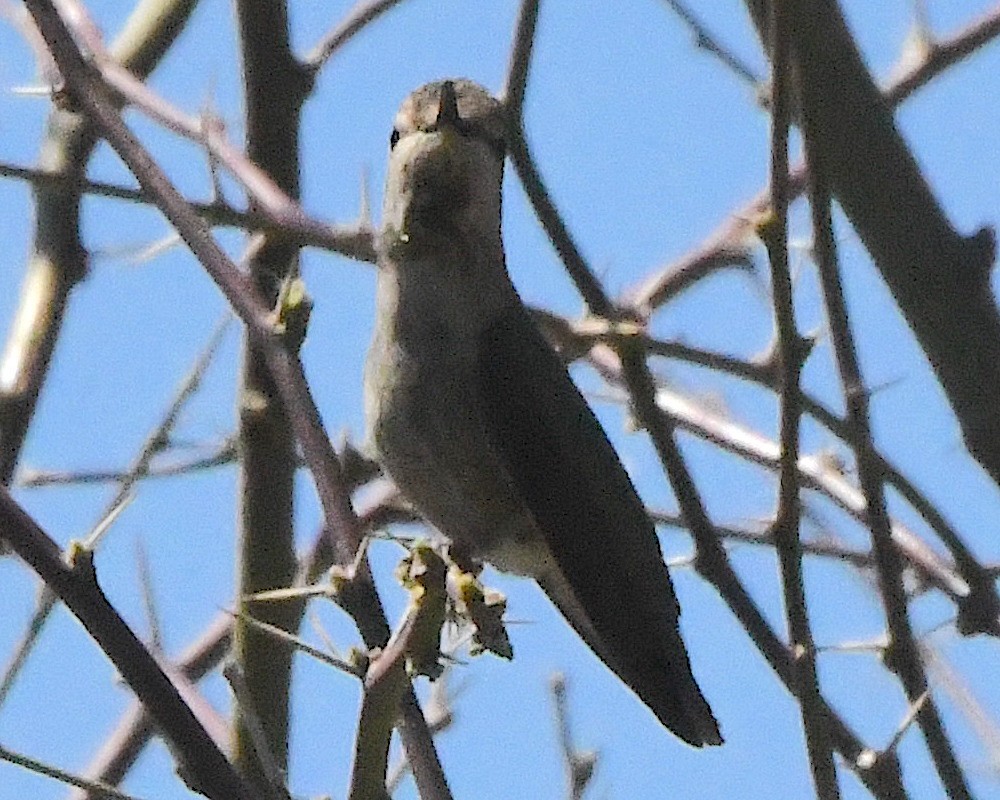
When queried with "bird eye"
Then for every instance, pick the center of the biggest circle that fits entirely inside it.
(393, 138)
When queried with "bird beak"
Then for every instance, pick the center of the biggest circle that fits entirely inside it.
(447, 106)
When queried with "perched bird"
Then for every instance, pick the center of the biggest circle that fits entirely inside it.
(477, 421)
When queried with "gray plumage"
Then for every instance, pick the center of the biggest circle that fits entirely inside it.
(479, 424)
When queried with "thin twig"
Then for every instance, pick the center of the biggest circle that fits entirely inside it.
(942, 54)
(763, 536)
(586, 281)
(222, 456)
(792, 351)
(98, 788)
(580, 764)
(353, 241)
(978, 714)
(357, 19)
(706, 41)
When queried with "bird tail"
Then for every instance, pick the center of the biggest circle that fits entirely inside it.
(652, 663)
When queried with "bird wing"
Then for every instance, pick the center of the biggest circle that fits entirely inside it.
(611, 583)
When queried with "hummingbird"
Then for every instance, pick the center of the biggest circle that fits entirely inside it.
(476, 419)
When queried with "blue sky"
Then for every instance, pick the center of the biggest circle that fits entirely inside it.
(646, 144)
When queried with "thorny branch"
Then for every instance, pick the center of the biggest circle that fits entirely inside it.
(792, 351)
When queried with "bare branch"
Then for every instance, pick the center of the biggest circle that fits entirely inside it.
(704, 40)
(792, 351)
(903, 656)
(520, 59)
(356, 20)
